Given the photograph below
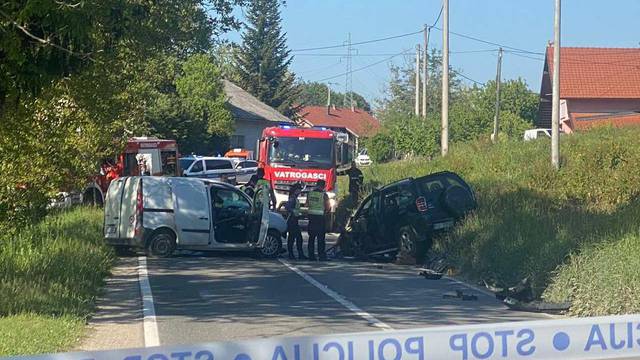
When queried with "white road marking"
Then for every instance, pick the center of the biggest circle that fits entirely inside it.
(151, 337)
(337, 297)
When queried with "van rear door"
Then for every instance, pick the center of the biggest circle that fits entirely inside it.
(112, 208)
(192, 209)
(128, 207)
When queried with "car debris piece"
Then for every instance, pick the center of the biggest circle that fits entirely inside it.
(459, 294)
(537, 306)
(430, 274)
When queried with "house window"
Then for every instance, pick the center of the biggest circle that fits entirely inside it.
(237, 141)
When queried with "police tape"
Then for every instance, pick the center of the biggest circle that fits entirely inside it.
(612, 337)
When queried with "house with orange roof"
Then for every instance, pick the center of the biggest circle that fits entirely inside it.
(598, 86)
(355, 122)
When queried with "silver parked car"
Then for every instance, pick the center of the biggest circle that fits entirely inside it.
(209, 167)
(245, 169)
(162, 214)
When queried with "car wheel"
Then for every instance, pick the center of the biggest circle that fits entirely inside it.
(351, 245)
(162, 244)
(407, 241)
(272, 245)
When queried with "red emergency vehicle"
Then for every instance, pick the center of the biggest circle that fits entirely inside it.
(293, 154)
(141, 156)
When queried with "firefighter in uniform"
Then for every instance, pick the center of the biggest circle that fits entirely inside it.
(293, 227)
(318, 206)
(250, 187)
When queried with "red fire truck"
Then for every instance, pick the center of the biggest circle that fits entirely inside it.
(141, 156)
(292, 154)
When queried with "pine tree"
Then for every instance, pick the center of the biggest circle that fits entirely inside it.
(263, 60)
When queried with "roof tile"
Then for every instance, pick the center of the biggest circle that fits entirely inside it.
(598, 73)
(358, 121)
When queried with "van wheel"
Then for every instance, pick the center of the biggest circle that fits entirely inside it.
(407, 245)
(162, 244)
(272, 245)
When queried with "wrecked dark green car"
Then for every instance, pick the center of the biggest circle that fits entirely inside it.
(403, 216)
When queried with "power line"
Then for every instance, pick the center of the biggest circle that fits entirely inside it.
(364, 67)
(490, 42)
(390, 54)
(358, 43)
(468, 78)
(438, 18)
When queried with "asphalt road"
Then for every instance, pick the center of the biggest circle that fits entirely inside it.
(202, 298)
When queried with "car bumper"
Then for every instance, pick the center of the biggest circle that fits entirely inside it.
(132, 242)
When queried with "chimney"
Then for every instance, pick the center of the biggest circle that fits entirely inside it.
(333, 106)
(353, 108)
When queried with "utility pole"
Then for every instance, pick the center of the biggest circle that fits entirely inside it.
(444, 140)
(417, 80)
(328, 99)
(555, 111)
(348, 83)
(425, 72)
(496, 119)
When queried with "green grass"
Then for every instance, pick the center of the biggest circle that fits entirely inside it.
(35, 334)
(537, 223)
(53, 272)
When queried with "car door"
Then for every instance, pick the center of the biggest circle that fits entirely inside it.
(258, 223)
(230, 214)
(112, 205)
(196, 169)
(192, 208)
(244, 170)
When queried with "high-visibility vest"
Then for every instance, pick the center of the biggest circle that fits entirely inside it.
(263, 188)
(315, 202)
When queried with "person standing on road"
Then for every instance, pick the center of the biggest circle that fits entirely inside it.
(250, 187)
(355, 181)
(293, 227)
(262, 183)
(318, 205)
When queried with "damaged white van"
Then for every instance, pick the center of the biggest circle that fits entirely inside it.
(162, 214)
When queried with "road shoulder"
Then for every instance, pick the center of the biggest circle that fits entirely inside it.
(117, 323)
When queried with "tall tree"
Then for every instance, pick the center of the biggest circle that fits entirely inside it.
(263, 60)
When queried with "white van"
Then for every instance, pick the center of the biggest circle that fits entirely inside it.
(162, 214)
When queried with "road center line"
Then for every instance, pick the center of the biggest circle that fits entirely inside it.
(151, 337)
(337, 297)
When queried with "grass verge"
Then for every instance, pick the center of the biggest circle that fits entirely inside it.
(551, 227)
(50, 275)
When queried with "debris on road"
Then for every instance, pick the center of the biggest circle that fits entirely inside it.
(459, 294)
(537, 306)
(430, 274)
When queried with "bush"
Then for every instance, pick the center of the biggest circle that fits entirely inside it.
(530, 218)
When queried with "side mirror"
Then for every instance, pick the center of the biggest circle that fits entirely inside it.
(184, 172)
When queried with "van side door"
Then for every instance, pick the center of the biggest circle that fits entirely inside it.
(192, 213)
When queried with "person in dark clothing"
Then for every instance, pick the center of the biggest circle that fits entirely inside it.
(355, 181)
(293, 227)
(318, 205)
(250, 187)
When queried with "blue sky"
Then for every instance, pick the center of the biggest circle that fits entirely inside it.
(517, 23)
